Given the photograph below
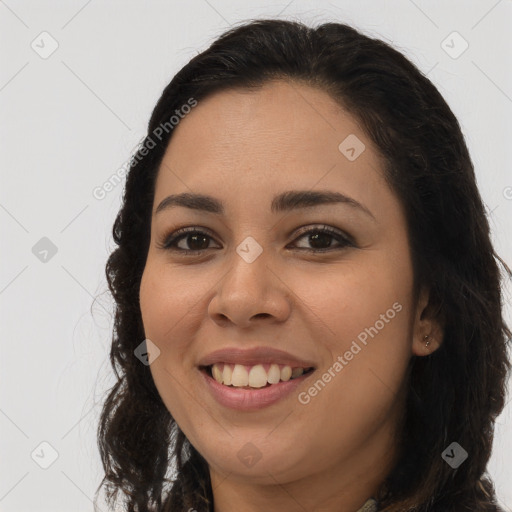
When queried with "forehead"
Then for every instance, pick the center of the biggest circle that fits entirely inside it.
(256, 142)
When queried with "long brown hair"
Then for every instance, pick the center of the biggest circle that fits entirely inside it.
(455, 394)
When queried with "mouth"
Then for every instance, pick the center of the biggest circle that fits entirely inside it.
(247, 388)
(259, 376)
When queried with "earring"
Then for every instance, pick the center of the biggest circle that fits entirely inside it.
(426, 340)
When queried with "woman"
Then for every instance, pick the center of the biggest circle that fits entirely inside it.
(309, 313)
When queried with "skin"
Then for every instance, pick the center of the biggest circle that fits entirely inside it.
(243, 147)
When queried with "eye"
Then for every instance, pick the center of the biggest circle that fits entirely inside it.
(322, 235)
(198, 240)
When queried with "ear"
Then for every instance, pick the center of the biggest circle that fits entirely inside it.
(426, 323)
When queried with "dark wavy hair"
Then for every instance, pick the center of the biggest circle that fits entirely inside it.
(454, 394)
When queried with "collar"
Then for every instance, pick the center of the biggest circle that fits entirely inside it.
(369, 506)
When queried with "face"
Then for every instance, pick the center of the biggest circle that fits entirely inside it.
(262, 277)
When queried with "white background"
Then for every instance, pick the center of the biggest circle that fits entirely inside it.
(70, 121)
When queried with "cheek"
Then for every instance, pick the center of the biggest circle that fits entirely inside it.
(363, 313)
(352, 296)
(368, 343)
(165, 315)
(167, 307)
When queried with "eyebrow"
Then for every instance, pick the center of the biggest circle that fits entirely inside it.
(284, 202)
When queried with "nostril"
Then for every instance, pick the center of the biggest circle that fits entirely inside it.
(261, 315)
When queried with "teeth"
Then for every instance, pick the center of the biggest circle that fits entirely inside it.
(240, 376)
(286, 373)
(217, 373)
(274, 374)
(227, 374)
(297, 372)
(257, 377)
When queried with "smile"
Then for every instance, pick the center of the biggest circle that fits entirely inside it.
(243, 395)
(254, 376)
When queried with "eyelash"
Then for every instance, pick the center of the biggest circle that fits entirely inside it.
(170, 239)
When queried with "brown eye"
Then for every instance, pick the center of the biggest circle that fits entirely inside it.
(192, 241)
(320, 239)
(195, 241)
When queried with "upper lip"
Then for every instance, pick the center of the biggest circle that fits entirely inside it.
(253, 356)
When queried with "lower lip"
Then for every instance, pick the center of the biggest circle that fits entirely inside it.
(251, 399)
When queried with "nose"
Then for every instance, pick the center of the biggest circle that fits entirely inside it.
(249, 293)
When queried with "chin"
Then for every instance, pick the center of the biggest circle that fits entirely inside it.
(259, 466)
